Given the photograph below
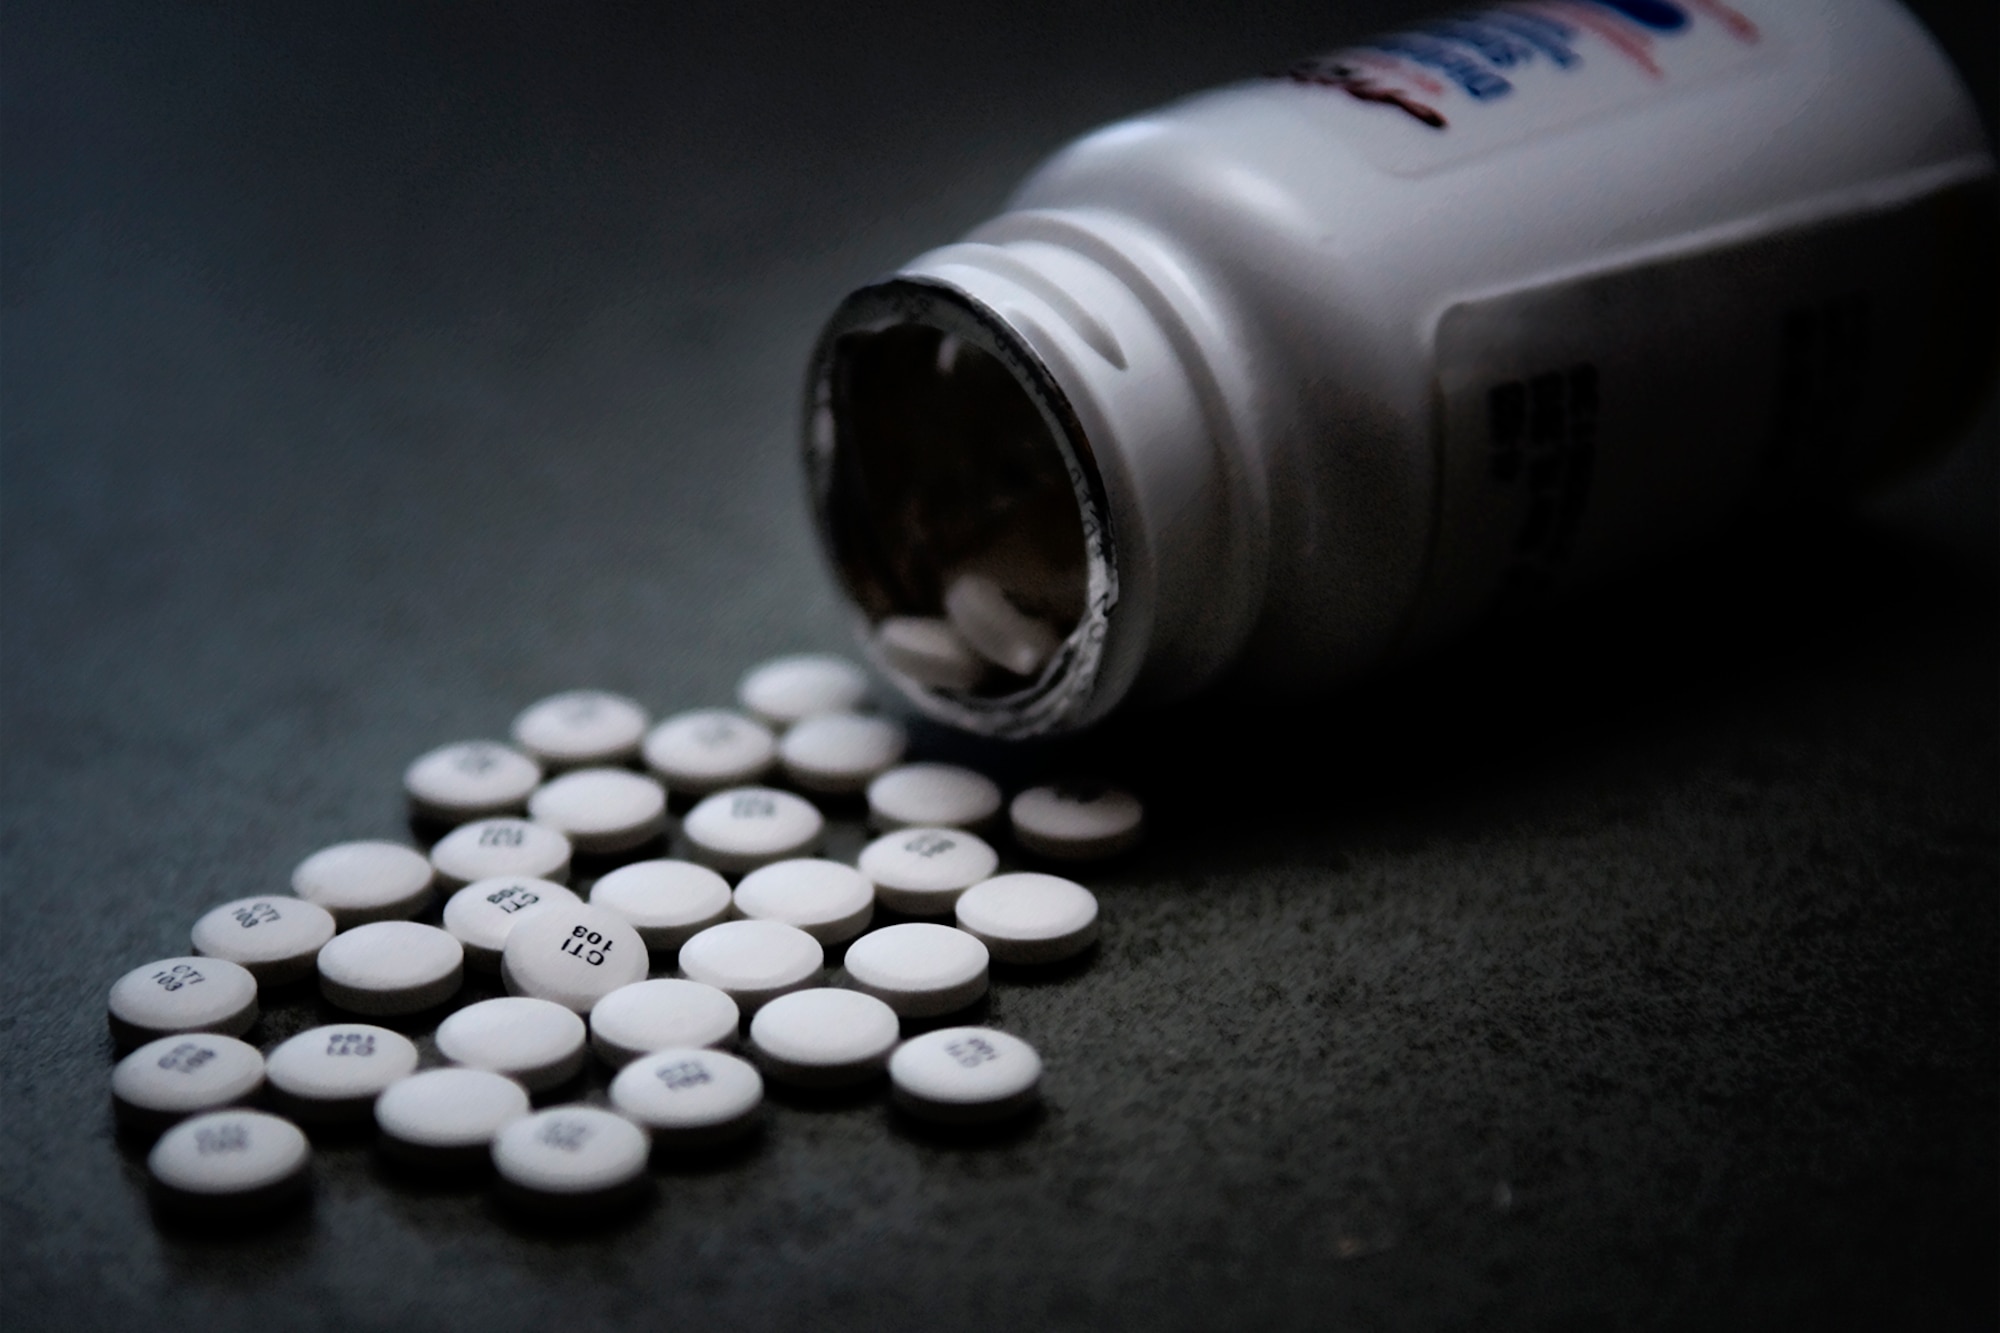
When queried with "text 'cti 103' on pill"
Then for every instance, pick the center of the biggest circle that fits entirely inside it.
(840, 753)
(963, 1076)
(746, 827)
(187, 994)
(823, 1037)
(785, 689)
(690, 1098)
(929, 651)
(230, 1163)
(666, 901)
(447, 1118)
(365, 881)
(275, 938)
(571, 1155)
(330, 1074)
(933, 796)
(1030, 918)
(391, 967)
(575, 955)
(491, 848)
(827, 900)
(919, 969)
(662, 1014)
(602, 810)
(581, 727)
(482, 914)
(1076, 821)
(709, 749)
(469, 780)
(921, 871)
(179, 1076)
(754, 962)
(538, 1042)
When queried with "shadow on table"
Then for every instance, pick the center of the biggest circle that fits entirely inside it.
(1731, 630)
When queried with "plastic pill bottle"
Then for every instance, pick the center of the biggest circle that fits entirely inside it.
(1295, 377)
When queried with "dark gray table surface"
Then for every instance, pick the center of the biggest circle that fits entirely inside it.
(369, 371)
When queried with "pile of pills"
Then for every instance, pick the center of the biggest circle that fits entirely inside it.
(655, 967)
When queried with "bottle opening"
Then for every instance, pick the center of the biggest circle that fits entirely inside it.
(956, 502)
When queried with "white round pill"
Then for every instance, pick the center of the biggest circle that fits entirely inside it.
(183, 995)
(666, 901)
(824, 1038)
(571, 1150)
(1011, 639)
(1030, 918)
(1076, 821)
(929, 651)
(827, 900)
(581, 727)
(746, 827)
(964, 1075)
(754, 962)
(933, 796)
(391, 967)
(781, 691)
(361, 882)
(184, 1075)
(491, 848)
(275, 937)
(336, 1072)
(601, 810)
(708, 749)
(470, 780)
(838, 753)
(662, 1014)
(690, 1098)
(480, 915)
(921, 871)
(230, 1161)
(538, 1042)
(448, 1116)
(573, 954)
(919, 969)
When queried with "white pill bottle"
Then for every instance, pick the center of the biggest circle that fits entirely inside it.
(1296, 377)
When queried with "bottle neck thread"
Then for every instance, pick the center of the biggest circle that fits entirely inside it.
(1007, 428)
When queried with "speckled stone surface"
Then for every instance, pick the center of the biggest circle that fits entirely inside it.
(368, 373)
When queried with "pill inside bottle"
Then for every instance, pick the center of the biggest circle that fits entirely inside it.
(952, 498)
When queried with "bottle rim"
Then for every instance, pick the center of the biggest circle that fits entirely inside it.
(1062, 695)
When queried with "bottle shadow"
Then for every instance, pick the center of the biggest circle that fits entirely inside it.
(1612, 681)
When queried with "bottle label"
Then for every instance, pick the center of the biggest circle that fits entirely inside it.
(1587, 421)
(1459, 87)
